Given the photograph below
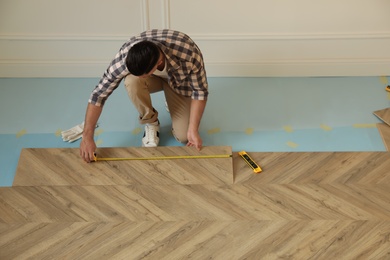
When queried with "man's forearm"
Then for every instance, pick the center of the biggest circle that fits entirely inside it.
(197, 109)
(91, 118)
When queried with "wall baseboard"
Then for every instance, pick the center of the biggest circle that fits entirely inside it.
(301, 68)
(269, 39)
(288, 68)
(227, 55)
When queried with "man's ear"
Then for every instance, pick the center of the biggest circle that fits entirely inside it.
(161, 59)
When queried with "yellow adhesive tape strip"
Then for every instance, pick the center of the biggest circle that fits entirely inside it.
(21, 133)
(292, 144)
(288, 129)
(98, 132)
(384, 80)
(364, 125)
(249, 131)
(326, 128)
(58, 132)
(136, 131)
(214, 131)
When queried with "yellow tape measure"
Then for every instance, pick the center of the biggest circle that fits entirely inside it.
(255, 167)
(164, 157)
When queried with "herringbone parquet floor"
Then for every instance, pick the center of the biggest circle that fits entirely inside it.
(325, 205)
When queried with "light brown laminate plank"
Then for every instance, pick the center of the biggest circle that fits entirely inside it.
(328, 205)
(384, 115)
(63, 166)
(384, 130)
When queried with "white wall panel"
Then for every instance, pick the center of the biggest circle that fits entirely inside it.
(288, 38)
(70, 18)
(51, 38)
(280, 17)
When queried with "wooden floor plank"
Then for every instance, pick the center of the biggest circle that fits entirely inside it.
(384, 115)
(384, 130)
(300, 239)
(63, 166)
(320, 167)
(328, 205)
(194, 203)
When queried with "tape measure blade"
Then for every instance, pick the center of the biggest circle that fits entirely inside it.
(165, 157)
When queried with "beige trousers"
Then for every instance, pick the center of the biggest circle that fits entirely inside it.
(139, 90)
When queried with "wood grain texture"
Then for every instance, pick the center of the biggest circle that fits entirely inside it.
(328, 205)
(384, 130)
(63, 166)
(384, 115)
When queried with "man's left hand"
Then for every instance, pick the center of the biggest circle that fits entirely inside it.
(195, 140)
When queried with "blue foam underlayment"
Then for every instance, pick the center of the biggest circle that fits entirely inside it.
(252, 114)
(338, 139)
(46, 105)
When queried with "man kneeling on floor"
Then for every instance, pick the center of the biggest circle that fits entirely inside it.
(153, 61)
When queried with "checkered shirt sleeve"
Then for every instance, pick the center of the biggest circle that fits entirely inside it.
(111, 78)
(186, 72)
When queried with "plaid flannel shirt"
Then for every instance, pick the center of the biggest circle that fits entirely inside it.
(185, 67)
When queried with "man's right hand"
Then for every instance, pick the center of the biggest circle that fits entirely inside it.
(88, 146)
(87, 149)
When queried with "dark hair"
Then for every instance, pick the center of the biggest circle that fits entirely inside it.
(142, 57)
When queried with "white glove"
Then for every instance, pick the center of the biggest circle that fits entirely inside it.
(73, 134)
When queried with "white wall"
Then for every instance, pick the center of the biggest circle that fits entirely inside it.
(77, 38)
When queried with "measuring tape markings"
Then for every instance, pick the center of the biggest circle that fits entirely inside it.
(255, 167)
(164, 157)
